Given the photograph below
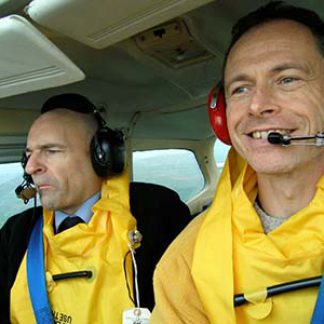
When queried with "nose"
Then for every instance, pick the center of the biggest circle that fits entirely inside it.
(262, 102)
(34, 165)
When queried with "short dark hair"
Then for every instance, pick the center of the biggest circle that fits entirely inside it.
(278, 10)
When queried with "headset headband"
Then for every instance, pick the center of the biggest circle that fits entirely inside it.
(70, 101)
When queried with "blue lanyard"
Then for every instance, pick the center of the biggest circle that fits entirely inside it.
(36, 275)
(318, 315)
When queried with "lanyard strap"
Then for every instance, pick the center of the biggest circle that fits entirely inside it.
(318, 315)
(36, 275)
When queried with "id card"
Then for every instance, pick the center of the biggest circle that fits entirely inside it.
(136, 316)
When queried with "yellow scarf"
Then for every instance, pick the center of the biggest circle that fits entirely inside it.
(99, 246)
(233, 255)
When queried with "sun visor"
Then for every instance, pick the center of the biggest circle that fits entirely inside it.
(9, 6)
(100, 23)
(29, 61)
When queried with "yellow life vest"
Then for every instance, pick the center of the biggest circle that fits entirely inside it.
(233, 255)
(100, 246)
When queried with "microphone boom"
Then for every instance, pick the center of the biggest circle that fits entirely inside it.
(285, 140)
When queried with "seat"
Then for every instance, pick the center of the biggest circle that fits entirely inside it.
(161, 216)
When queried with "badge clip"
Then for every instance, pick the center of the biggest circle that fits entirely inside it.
(136, 316)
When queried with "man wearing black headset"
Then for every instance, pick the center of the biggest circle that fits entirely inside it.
(257, 254)
(78, 265)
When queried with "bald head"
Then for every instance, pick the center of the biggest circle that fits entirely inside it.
(82, 125)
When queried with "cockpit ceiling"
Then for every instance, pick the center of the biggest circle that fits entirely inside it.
(134, 84)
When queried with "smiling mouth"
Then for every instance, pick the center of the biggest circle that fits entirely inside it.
(264, 134)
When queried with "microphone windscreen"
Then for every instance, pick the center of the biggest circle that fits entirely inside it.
(275, 138)
(25, 193)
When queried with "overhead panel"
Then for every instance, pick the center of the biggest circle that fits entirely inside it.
(172, 44)
(100, 23)
(29, 61)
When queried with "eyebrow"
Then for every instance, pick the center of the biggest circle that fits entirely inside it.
(288, 66)
(238, 77)
(47, 146)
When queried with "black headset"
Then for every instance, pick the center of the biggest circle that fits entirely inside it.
(107, 147)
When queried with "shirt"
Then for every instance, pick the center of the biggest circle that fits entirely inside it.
(84, 211)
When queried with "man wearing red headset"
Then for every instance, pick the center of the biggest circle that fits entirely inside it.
(257, 254)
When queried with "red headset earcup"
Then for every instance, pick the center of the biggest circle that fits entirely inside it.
(217, 115)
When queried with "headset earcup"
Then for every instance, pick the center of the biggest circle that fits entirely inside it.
(107, 152)
(217, 115)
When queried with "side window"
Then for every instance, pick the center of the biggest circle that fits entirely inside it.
(220, 153)
(10, 178)
(174, 168)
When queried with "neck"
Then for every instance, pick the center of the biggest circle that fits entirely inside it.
(284, 195)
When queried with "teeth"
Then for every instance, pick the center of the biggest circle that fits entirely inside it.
(264, 134)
